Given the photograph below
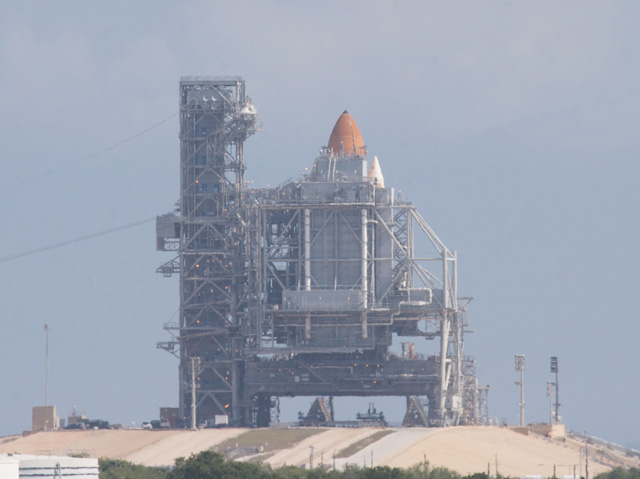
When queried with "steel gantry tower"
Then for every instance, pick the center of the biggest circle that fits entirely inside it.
(298, 290)
(216, 118)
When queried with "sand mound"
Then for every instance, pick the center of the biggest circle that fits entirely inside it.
(463, 449)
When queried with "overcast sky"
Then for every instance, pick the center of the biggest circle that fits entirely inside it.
(512, 125)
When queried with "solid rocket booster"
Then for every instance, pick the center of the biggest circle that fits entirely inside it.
(375, 173)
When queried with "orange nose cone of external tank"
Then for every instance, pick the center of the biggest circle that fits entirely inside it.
(347, 134)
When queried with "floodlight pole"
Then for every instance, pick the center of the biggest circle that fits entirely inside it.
(556, 369)
(519, 362)
(586, 455)
(47, 328)
(550, 396)
(522, 397)
(557, 398)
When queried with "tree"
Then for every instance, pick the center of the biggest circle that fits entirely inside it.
(620, 473)
(212, 465)
(385, 472)
(117, 469)
(205, 465)
(443, 473)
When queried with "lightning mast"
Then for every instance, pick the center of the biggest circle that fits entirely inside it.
(519, 362)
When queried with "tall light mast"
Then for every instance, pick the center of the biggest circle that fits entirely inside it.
(555, 369)
(519, 361)
(47, 328)
(550, 396)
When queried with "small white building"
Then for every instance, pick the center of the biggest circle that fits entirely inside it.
(9, 467)
(19, 466)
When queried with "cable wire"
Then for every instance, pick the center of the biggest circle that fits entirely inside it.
(74, 240)
(86, 158)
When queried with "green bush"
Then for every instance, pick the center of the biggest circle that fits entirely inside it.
(620, 473)
(117, 469)
(212, 465)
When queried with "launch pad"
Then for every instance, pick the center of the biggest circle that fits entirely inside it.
(299, 290)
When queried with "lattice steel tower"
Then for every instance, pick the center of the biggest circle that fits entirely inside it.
(216, 117)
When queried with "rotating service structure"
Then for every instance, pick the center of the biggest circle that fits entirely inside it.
(300, 290)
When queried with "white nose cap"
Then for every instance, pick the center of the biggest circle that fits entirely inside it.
(375, 173)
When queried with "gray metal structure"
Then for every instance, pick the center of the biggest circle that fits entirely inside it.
(298, 290)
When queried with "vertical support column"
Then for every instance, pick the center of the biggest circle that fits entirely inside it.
(307, 249)
(182, 376)
(444, 344)
(459, 378)
(263, 411)
(195, 363)
(363, 273)
(307, 266)
(454, 279)
(444, 336)
(235, 396)
(364, 256)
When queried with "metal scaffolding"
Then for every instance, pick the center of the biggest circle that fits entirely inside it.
(298, 290)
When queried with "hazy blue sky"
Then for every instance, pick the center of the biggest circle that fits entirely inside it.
(514, 126)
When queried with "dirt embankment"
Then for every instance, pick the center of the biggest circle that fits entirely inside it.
(463, 449)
